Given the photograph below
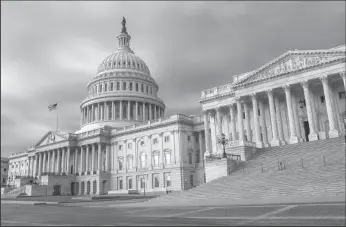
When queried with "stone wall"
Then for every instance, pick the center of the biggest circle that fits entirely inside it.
(217, 168)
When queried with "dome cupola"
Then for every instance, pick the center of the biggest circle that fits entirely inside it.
(123, 92)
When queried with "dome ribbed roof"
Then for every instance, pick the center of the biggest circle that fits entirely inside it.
(123, 59)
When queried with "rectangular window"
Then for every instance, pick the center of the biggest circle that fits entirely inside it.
(156, 180)
(342, 95)
(130, 86)
(129, 146)
(142, 182)
(136, 86)
(151, 90)
(322, 99)
(168, 180)
(118, 86)
(121, 184)
(190, 158)
(155, 141)
(130, 183)
(147, 89)
(100, 88)
(168, 158)
(124, 86)
(142, 88)
(121, 163)
(106, 87)
(156, 159)
(166, 139)
(112, 86)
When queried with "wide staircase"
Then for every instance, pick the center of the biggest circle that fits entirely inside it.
(15, 192)
(311, 168)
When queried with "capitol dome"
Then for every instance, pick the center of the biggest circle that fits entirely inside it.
(123, 92)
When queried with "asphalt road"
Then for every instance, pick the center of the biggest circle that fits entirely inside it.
(106, 214)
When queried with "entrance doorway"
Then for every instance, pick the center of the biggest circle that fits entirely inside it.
(307, 130)
(73, 188)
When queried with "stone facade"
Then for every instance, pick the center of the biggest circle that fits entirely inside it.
(125, 144)
(4, 171)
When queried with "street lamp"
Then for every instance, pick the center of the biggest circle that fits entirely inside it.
(223, 141)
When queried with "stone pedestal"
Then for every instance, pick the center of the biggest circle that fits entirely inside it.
(216, 168)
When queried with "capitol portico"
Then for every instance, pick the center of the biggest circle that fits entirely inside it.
(126, 145)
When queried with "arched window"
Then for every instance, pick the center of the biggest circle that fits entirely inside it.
(156, 158)
(143, 160)
(129, 162)
(121, 163)
(167, 157)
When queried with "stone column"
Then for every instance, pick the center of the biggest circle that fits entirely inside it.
(92, 158)
(53, 161)
(107, 158)
(200, 143)
(49, 162)
(343, 76)
(136, 112)
(68, 168)
(233, 125)
(218, 122)
(121, 109)
(143, 111)
(155, 112)
(92, 112)
(35, 157)
(247, 123)
(59, 161)
(332, 131)
(63, 162)
(99, 157)
(39, 161)
(275, 141)
(313, 135)
(129, 110)
(29, 163)
(81, 168)
(293, 135)
(75, 160)
(207, 134)
(112, 112)
(279, 121)
(240, 119)
(263, 124)
(314, 114)
(98, 112)
(87, 158)
(44, 158)
(296, 117)
(150, 113)
(258, 139)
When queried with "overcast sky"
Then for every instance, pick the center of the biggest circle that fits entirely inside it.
(51, 50)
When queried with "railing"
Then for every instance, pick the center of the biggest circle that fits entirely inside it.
(238, 143)
(219, 90)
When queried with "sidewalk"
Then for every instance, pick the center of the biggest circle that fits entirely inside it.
(244, 202)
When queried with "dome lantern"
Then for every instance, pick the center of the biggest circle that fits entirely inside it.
(124, 38)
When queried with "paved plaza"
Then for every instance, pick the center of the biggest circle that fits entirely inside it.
(108, 213)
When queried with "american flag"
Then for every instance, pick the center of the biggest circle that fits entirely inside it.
(53, 107)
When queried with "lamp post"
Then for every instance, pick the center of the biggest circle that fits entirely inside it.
(223, 141)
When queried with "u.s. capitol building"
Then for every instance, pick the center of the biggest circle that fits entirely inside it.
(125, 142)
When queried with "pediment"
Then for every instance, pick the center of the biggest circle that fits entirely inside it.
(289, 62)
(51, 138)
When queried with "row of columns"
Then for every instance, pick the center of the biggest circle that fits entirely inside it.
(295, 134)
(61, 160)
(105, 111)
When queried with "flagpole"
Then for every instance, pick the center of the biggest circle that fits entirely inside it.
(57, 118)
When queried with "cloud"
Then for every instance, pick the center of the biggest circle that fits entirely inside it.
(51, 50)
